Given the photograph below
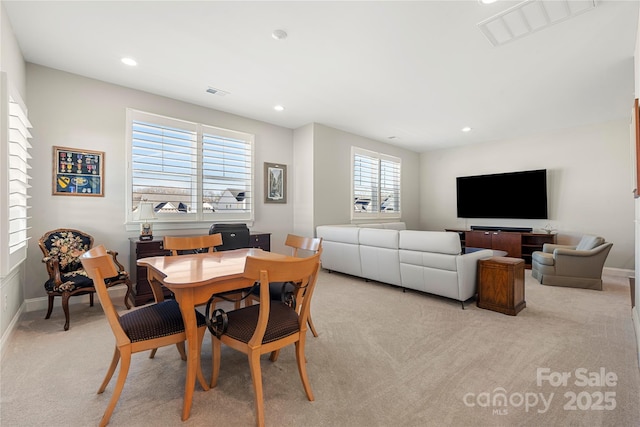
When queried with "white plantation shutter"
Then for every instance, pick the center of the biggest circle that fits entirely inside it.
(375, 185)
(227, 171)
(190, 171)
(15, 182)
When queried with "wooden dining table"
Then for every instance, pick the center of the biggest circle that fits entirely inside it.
(193, 279)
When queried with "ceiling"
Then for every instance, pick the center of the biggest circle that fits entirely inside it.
(407, 73)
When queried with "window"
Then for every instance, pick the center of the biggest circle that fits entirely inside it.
(375, 185)
(190, 172)
(15, 182)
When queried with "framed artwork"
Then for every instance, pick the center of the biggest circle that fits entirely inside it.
(78, 172)
(275, 183)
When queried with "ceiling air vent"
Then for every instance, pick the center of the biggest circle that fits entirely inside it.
(214, 91)
(530, 16)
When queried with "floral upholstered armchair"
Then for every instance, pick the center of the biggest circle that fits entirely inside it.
(62, 249)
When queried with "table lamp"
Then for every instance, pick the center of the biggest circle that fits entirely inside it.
(146, 214)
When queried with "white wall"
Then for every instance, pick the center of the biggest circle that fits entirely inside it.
(589, 181)
(332, 176)
(72, 111)
(303, 181)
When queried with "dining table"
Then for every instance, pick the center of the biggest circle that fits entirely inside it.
(193, 278)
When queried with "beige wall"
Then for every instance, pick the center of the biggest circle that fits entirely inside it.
(332, 176)
(72, 111)
(589, 182)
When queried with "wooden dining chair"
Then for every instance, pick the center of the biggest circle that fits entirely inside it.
(182, 245)
(146, 328)
(179, 245)
(270, 325)
(282, 291)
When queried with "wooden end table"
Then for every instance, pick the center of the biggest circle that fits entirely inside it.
(501, 285)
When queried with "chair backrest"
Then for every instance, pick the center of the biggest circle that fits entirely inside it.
(234, 236)
(98, 265)
(192, 243)
(66, 245)
(312, 244)
(301, 271)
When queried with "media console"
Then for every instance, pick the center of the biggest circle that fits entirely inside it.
(517, 244)
(493, 228)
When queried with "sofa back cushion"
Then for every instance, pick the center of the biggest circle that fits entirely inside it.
(379, 238)
(589, 242)
(430, 241)
(338, 233)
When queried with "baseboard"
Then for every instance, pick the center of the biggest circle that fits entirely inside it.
(621, 272)
(9, 331)
(636, 323)
(41, 303)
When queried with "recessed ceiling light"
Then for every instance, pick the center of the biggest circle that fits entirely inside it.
(129, 61)
(487, 1)
(279, 34)
(278, 108)
(466, 129)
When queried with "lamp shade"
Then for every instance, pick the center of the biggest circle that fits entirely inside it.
(146, 211)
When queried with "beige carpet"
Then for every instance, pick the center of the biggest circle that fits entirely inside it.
(384, 358)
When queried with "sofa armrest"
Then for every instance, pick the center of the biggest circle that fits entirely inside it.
(467, 266)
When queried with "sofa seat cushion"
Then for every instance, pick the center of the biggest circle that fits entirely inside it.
(428, 260)
(543, 258)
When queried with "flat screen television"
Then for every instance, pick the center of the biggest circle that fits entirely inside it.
(503, 195)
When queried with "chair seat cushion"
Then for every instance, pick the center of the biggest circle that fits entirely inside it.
(543, 258)
(155, 321)
(283, 321)
(77, 279)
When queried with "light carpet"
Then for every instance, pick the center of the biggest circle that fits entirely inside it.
(384, 357)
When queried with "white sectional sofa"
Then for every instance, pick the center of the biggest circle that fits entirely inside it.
(427, 261)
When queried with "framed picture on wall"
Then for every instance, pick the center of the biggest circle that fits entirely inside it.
(275, 183)
(78, 172)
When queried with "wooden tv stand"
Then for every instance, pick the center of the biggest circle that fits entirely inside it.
(516, 244)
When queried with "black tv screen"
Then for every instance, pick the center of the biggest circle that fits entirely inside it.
(504, 195)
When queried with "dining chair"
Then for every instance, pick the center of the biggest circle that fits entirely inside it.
(61, 249)
(146, 328)
(181, 245)
(284, 291)
(270, 325)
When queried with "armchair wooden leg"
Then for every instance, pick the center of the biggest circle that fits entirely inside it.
(65, 308)
(127, 297)
(112, 369)
(215, 361)
(122, 376)
(302, 368)
(313, 328)
(256, 376)
(50, 309)
(91, 299)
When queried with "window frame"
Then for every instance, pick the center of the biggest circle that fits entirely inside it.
(377, 214)
(197, 219)
(14, 250)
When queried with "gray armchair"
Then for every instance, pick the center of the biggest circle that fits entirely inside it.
(577, 266)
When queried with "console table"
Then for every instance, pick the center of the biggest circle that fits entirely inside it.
(516, 244)
(142, 293)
